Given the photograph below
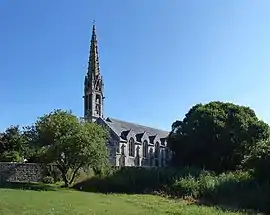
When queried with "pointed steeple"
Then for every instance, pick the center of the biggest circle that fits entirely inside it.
(93, 64)
(93, 83)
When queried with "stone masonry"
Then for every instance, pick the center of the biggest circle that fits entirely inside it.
(20, 172)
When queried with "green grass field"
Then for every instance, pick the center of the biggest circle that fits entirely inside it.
(26, 202)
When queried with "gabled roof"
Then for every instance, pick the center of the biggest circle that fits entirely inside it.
(139, 136)
(152, 138)
(124, 134)
(121, 128)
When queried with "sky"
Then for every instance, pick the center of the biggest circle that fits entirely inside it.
(158, 58)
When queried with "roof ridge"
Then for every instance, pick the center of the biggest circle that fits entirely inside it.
(111, 118)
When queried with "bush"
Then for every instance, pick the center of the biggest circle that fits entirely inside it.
(137, 180)
(237, 189)
(187, 186)
(52, 171)
(12, 156)
(259, 161)
(48, 180)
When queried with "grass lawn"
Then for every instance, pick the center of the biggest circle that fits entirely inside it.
(22, 202)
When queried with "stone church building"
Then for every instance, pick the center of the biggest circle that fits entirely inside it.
(129, 144)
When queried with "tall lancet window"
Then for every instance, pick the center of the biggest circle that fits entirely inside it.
(131, 147)
(157, 149)
(145, 148)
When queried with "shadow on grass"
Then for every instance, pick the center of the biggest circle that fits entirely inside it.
(227, 192)
(135, 180)
(98, 185)
(28, 186)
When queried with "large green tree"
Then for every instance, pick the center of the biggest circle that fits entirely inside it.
(216, 136)
(70, 143)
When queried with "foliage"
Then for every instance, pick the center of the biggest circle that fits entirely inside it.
(69, 143)
(136, 180)
(33, 150)
(11, 156)
(48, 180)
(216, 136)
(12, 145)
(259, 160)
(52, 171)
(235, 189)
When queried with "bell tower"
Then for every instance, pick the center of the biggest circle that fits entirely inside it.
(93, 83)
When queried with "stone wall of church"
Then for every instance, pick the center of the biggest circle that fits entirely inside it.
(122, 157)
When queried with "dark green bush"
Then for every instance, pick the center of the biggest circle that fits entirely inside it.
(259, 161)
(137, 180)
(53, 172)
(48, 180)
(238, 189)
(11, 156)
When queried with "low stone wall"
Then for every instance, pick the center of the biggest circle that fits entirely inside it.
(20, 172)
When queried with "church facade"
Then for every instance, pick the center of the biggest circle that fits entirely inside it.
(129, 144)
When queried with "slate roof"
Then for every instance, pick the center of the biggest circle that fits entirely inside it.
(122, 128)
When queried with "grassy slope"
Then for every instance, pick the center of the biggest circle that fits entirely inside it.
(22, 202)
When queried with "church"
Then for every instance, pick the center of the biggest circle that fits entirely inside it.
(129, 144)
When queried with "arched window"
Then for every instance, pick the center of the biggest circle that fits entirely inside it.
(137, 159)
(157, 149)
(123, 149)
(131, 147)
(151, 161)
(145, 148)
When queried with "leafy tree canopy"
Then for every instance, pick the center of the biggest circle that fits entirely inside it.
(216, 136)
(69, 143)
(12, 145)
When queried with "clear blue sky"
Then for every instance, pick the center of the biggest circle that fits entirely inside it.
(158, 57)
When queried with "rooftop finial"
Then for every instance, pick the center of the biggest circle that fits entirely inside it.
(94, 29)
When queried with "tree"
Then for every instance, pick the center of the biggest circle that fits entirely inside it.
(216, 136)
(69, 143)
(12, 145)
(33, 148)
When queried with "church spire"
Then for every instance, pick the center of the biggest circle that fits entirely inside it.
(93, 64)
(93, 83)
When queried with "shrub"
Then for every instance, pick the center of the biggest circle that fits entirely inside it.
(187, 186)
(238, 189)
(12, 156)
(52, 171)
(48, 180)
(259, 160)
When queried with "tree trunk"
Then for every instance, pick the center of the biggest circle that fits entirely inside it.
(64, 176)
(74, 174)
(63, 171)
